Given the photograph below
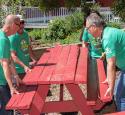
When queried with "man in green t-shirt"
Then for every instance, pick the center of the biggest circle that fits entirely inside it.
(94, 45)
(113, 43)
(7, 68)
(21, 50)
(95, 51)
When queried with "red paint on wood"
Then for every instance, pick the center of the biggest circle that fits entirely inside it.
(33, 76)
(70, 68)
(39, 100)
(82, 66)
(102, 87)
(50, 67)
(79, 99)
(60, 67)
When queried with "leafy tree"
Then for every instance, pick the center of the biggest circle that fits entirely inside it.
(118, 8)
(72, 3)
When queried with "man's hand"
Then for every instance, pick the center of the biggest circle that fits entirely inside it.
(33, 63)
(27, 69)
(106, 81)
(13, 91)
(109, 92)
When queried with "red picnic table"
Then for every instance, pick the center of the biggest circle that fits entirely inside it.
(64, 65)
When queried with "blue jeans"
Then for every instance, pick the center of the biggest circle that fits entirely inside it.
(119, 92)
(4, 98)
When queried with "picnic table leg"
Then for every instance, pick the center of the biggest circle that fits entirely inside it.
(79, 99)
(39, 100)
(92, 84)
(61, 92)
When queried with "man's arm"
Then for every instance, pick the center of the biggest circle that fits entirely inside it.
(18, 61)
(34, 60)
(7, 72)
(14, 73)
(111, 75)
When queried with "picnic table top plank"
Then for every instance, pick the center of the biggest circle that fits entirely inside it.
(51, 64)
(70, 68)
(82, 66)
(33, 76)
(57, 76)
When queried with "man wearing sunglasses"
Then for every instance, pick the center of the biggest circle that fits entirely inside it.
(113, 43)
(21, 50)
(95, 51)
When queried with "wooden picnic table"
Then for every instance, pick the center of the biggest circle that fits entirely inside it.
(64, 65)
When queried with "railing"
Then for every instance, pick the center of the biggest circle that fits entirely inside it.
(108, 15)
(35, 17)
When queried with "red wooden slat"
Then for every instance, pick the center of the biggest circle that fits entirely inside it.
(15, 99)
(27, 98)
(70, 68)
(33, 76)
(51, 64)
(82, 66)
(102, 76)
(22, 100)
(59, 106)
(79, 99)
(39, 100)
(60, 67)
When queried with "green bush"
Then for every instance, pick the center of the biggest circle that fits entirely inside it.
(59, 28)
(73, 38)
(114, 24)
(37, 33)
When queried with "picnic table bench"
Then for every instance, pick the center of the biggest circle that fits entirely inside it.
(63, 65)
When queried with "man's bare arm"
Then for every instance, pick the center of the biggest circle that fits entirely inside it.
(7, 72)
(111, 75)
(18, 61)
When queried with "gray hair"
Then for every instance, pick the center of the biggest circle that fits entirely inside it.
(96, 20)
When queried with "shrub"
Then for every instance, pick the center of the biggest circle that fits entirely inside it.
(37, 33)
(114, 24)
(59, 28)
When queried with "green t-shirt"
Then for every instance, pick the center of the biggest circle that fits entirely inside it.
(19, 44)
(113, 42)
(4, 54)
(95, 46)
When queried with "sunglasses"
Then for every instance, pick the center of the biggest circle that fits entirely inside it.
(18, 24)
(22, 22)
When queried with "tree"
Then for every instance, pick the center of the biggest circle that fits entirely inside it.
(118, 8)
(72, 3)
